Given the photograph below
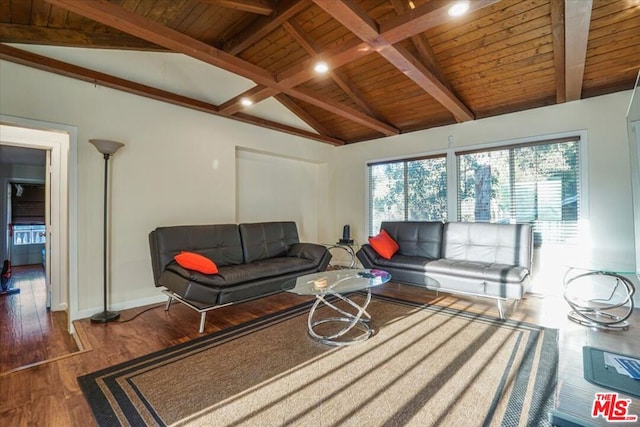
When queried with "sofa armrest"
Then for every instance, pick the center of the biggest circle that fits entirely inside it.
(311, 251)
(367, 256)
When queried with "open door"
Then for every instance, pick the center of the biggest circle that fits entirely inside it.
(48, 230)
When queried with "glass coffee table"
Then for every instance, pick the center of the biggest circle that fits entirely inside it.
(331, 287)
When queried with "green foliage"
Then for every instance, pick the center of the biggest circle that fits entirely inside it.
(413, 190)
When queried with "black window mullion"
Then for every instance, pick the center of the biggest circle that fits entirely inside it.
(406, 190)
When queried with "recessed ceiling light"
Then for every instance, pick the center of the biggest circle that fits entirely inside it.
(246, 102)
(321, 67)
(458, 8)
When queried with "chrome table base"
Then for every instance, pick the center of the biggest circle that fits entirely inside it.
(359, 320)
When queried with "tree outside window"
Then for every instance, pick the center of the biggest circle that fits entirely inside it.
(407, 190)
(536, 184)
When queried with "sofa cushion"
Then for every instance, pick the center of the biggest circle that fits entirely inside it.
(478, 270)
(220, 242)
(414, 263)
(510, 244)
(243, 273)
(267, 239)
(416, 238)
(197, 262)
(384, 245)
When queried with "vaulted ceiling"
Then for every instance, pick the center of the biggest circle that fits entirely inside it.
(395, 66)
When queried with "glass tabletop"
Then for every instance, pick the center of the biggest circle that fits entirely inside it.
(340, 281)
(601, 261)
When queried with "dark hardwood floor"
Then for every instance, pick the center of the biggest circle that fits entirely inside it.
(48, 394)
(29, 333)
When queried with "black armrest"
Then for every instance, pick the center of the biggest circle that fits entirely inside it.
(367, 256)
(311, 251)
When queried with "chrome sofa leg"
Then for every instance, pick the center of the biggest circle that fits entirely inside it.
(203, 317)
(500, 309)
(166, 307)
(202, 310)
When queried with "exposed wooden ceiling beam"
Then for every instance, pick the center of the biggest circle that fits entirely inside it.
(557, 34)
(422, 45)
(576, 35)
(335, 57)
(358, 22)
(393, 31)
(342, 110)
(260, 7)
(258, 121)
(264, 26)
(295, 108)
(256, 94)
(420, 19)
(339, 78)
(234, 105)
(32, 34)
(409, 24)
(115, 16)
(40, 62)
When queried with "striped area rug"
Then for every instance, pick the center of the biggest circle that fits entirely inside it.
(425, 365)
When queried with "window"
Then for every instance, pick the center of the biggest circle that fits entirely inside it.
(535, 182)
(28, 234)
(407, 190)
(27, 203)
(530, 183)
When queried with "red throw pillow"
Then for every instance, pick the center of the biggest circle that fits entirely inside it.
(384, 244)
(196, 262)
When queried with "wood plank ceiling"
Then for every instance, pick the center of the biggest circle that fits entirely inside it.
(395, 66)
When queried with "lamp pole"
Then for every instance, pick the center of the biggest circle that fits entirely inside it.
(107, 148)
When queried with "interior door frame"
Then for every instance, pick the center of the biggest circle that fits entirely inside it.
(61, 140)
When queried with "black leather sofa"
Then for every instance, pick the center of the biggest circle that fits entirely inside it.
(479, 259)
(253, 260)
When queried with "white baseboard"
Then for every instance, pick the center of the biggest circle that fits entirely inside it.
(60, 307)
(82, 314)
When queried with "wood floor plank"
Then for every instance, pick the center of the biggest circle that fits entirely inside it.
(29, 333)
(18, 416)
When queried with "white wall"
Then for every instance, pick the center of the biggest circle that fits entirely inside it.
(178, 167)
(633, 131)
(276, 188)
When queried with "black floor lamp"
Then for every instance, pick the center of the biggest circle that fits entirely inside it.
(107, 148)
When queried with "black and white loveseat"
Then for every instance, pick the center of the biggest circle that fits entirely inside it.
(252, 260)
(479, 259)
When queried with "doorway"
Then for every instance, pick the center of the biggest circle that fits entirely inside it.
(60, 142)
(26, 216)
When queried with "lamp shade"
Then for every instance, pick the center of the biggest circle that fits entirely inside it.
(105, 146)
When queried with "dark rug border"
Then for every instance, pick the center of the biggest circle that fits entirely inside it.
(542, 402)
